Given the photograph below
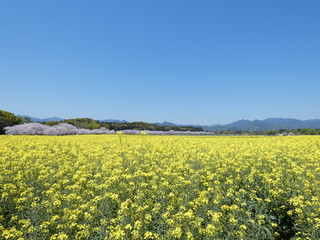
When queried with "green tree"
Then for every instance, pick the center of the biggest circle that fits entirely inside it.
(26, 119)
(94, 125)
(308, 131)
(8, 119)
(295, 131)
(271, 132)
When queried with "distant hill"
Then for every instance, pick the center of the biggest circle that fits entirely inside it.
(114, 121)
(34, 119)
(267, 124)
(52, 119)
(166, 124)
(170, 124)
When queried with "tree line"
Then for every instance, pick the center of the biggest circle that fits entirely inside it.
(88, 123)
(9, 119)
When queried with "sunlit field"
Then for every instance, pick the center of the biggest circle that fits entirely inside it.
(159, 187)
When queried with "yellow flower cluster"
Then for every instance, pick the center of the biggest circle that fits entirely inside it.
(159, 187)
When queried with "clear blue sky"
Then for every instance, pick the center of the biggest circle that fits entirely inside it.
(188, 62)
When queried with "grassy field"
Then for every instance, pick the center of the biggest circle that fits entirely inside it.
(159, 187)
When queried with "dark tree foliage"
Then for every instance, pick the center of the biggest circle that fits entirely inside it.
(89, 123)
(8, 119)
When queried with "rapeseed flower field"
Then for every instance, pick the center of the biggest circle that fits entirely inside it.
(159, 187)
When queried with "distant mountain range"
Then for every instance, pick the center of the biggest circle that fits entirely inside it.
(241, 125)
(114, 120)
(267, 124)
(33, 119)
(258, 125)
(170, 124)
